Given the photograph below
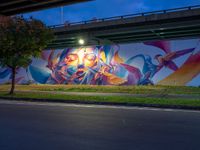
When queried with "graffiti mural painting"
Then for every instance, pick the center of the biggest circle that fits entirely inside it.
(144, 64)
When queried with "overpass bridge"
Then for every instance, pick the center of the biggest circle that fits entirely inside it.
(13, 7)
(156, 25)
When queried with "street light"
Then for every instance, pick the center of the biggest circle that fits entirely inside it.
(81, 42)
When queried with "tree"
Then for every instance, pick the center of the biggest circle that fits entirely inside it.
(20, 40)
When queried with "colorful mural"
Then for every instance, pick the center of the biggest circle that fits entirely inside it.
(160, 62)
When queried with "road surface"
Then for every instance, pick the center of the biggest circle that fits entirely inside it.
(47, 126)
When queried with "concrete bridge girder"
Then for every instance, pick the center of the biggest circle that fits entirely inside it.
(181, 24)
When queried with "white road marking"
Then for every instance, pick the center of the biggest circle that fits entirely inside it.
(52, 104)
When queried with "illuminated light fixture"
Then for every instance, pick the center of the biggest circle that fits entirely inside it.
(81, 42)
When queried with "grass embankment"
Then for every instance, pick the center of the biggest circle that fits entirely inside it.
(153, 90)
(113, 99)
(160, 90)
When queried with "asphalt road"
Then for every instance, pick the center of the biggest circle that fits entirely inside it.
(43, 126)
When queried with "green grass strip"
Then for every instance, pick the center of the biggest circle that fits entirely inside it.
(113, 99)
(109, 89)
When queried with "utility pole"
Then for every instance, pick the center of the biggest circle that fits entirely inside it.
(61, 15)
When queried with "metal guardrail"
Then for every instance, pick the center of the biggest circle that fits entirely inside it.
(125, 16)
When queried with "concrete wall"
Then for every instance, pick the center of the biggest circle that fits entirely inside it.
(174, 62)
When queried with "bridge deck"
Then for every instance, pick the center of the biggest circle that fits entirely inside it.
(157, 25)
(12, 7)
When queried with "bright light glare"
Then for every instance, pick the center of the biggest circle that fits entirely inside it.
(81, 42)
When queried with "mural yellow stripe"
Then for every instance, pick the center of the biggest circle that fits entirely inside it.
(185, 73)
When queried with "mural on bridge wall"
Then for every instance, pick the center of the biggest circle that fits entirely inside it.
(160, 62)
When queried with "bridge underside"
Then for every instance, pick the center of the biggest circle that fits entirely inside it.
(148, 27)
(12, 7)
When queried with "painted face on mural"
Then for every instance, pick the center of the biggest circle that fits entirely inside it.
(83, 57)
(79, 60)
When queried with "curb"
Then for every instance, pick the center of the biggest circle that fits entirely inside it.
(103, 103)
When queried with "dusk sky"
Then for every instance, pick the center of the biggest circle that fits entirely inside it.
(107, 8)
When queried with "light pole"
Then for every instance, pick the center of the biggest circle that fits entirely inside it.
(61, 15)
